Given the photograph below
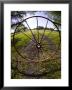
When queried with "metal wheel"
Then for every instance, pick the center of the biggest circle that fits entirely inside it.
(37, 47)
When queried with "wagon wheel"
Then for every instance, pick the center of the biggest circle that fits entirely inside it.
(39, 47)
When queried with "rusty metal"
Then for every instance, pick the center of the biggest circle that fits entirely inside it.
(37, 42)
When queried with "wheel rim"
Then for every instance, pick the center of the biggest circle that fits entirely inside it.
(37, 44)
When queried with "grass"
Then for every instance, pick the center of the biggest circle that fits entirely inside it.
(54, 36)
(23, 39)
(52, 67)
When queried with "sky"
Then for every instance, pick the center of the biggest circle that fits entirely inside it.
(33, 21)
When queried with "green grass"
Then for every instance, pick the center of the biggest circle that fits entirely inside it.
(53, 67)
(54, 36)
(22, 39)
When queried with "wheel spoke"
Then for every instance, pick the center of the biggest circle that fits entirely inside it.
(31, 31)
(27, 35)
(42, 52)
(44, 31)
(37, 29)
(38, 54)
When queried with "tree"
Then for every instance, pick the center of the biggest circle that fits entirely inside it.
(18, 16)
(40, 27)
(20, 28)
(55, 16)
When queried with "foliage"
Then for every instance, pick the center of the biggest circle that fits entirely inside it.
(40, 27)
(17, 14)
(55, 16)
(20, 28)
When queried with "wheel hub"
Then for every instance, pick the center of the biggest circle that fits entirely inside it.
(38, 46)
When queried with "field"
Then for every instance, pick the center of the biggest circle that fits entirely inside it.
(35, 63)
